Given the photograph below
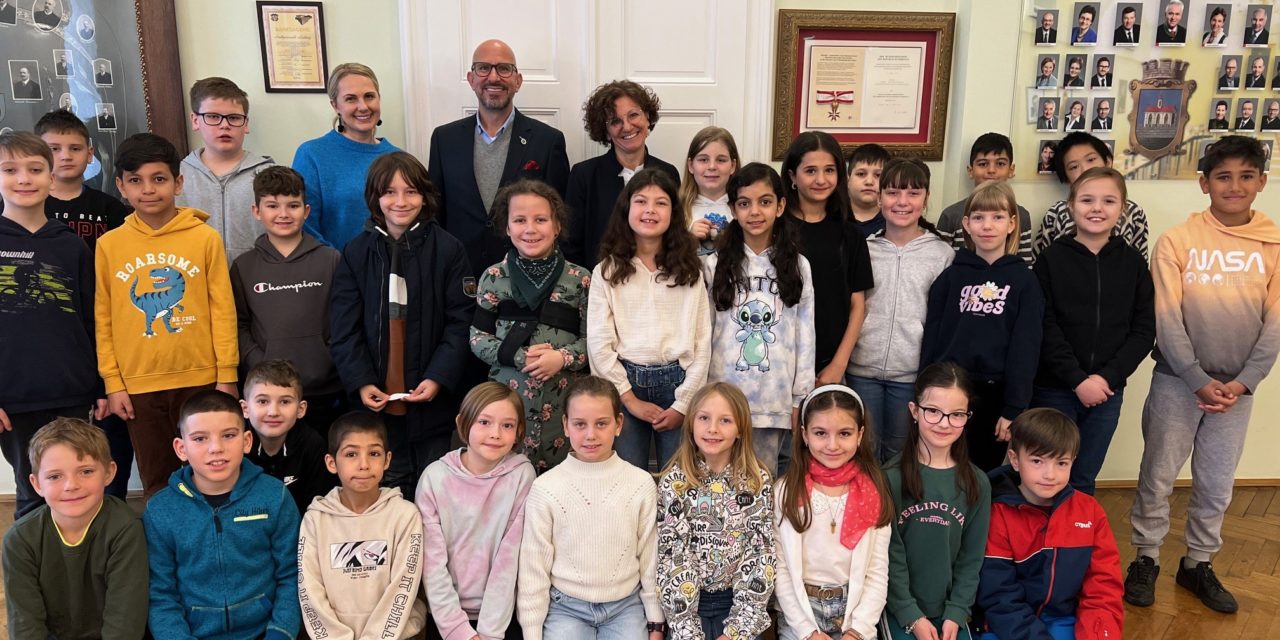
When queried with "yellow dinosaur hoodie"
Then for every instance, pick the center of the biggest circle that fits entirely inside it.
(165, 315)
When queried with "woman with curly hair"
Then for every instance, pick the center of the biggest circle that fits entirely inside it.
(619, 114)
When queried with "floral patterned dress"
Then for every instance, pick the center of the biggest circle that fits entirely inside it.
(544, 441)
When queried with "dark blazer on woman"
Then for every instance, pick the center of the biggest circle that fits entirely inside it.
(594, 187)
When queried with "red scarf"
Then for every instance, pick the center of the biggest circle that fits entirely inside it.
(861, 507)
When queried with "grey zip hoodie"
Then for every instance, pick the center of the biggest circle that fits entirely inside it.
(282, 307)
(889, 346)
(228, 199)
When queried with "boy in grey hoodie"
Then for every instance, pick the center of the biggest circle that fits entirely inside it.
(218, 177)
(281, 289)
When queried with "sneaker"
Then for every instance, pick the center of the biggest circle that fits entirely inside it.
(1140, 583)
(1202, 582)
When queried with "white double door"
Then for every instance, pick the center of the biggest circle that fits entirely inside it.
(709, 61)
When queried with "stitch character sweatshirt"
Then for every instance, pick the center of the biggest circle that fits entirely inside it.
(1216, 295)
(762, 346)
(987, 318)
(358, 573)
(164, 311)
(473, 525)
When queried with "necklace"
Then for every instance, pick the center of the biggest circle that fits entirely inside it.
(833, 505)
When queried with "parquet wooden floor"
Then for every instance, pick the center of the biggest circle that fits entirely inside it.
(1249, 565)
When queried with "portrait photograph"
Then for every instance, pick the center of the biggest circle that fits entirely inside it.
(62, 65)
(8, 13)
(1229, 73)
(85, 28)
(106, 116)
(1044, 165)
(1047, 120)
(1103, 119)
(1246, 115)
(24, 78)
(1220, 114)
(1084, 28)
(46, 14)
(1172, 30)
(1217, 25)
(1102, 77)
(1073, 74)
(1271, 115)
(1048, 71)
(102, 76)
(1128, 30)
(1074, 118)
(1047, 28)
(68, 102)
(1257, 25)
(1255, 70)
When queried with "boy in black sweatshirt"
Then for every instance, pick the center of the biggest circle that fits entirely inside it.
(1099, 321)
(281, 289)
(46, 312)
(273, 404)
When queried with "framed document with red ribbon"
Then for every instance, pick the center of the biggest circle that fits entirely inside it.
(864, 77)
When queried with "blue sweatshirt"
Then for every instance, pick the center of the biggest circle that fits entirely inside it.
(334, 168)
(229, 573)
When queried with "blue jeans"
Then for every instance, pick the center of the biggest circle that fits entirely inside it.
(569, 618)
(829, 612)
(1096, 425)
(654, 383)
(767, 443)
(1063, 628)
(713, 608)
(886, 404)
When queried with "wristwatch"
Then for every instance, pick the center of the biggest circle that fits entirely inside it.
(660, 627)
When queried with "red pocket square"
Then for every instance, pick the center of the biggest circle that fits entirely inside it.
(531, 165)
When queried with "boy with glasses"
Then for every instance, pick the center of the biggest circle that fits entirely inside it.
(218, 178)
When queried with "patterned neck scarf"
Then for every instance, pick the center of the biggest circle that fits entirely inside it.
(533, 278)
(861, 508)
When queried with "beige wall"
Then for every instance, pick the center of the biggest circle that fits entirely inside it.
(221, 39)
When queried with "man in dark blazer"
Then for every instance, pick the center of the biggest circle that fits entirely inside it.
(8, 14)
(106, 118)
(1271, 121)
(25, 88)
(1257, 78)
(1102, 76)
(1257, 34)
(1172, 31)
(63, 67)
(1246, 122)
(1230, 78)
(1102, 121)
(1129, 31)
(533, 150)
(48, 19)
(103, 77)
(1046, 34)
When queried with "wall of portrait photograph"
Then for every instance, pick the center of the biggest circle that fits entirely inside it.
(78, 55)
(1160, 79)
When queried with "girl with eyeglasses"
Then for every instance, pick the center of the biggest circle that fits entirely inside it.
(942, 504)
(984, 314)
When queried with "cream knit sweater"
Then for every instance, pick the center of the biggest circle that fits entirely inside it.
(589, 531)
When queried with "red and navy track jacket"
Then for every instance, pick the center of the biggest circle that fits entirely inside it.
(1053, 561)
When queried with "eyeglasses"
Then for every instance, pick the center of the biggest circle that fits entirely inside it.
(215, 119)
(482, 69)
(955, 419)
(635, 118)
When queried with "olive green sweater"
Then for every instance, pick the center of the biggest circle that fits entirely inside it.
(937, 546)
(95, 589)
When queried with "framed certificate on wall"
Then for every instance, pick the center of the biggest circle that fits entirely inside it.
(294, 59)
(864, 77)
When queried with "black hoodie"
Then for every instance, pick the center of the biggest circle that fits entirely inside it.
(282, 305)
(46, 319)
(987, 318)
(1099, 313)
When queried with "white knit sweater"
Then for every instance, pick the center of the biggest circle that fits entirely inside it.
(589, 531)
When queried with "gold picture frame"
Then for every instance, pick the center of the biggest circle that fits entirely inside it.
(892, 70)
